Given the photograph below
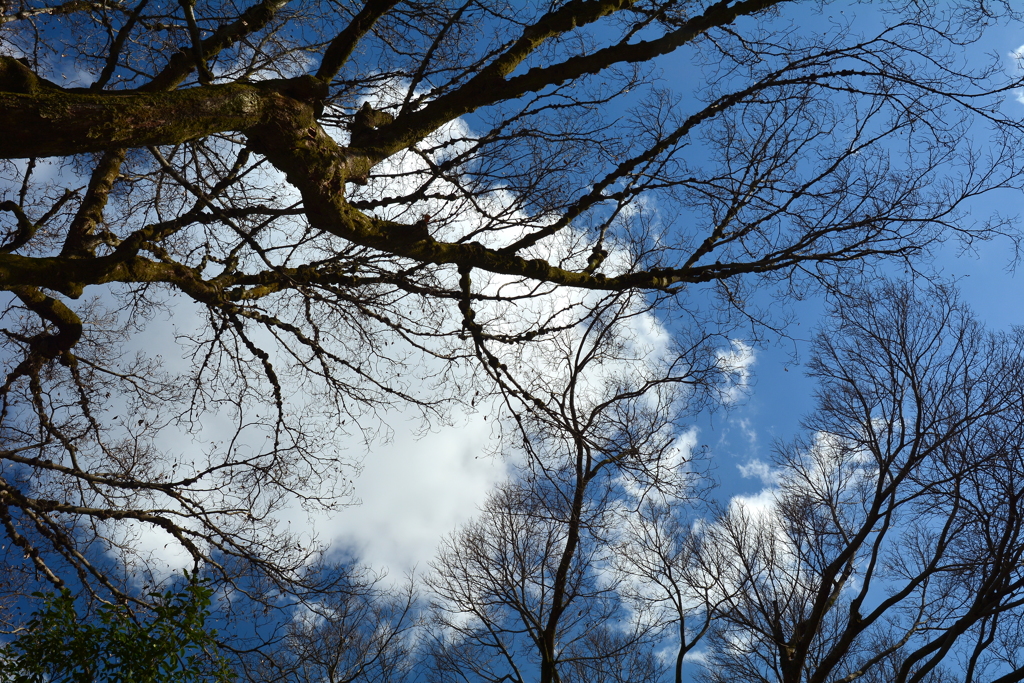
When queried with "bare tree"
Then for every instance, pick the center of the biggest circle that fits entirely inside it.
(530, 591)
(358, 631)
(666, 574)
(345, 205)
(891, 545)
(512, 603)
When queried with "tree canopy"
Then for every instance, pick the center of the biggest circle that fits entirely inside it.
(559, 209)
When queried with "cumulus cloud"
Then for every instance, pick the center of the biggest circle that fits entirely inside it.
(415, 488)
(827, 473)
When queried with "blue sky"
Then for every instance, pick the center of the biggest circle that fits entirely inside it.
(780, 393)
(416, 487)
(415, 484)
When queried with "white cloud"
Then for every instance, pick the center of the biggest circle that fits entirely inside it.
(756, 506)
(1017, 58)
(736, 363)
(152, 552)
(414, 491)
(664, 479)
(758, 469)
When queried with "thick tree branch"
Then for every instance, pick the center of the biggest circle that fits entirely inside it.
(58, 122)
(70, 7)
(254, 19)
(344, 43)
(80, 241)
(492, 84)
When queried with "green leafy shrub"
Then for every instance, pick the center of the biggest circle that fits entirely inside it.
(117, 646)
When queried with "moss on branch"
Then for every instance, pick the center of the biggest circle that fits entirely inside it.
(56, 122)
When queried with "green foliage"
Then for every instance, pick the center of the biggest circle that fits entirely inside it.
(118, 647)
